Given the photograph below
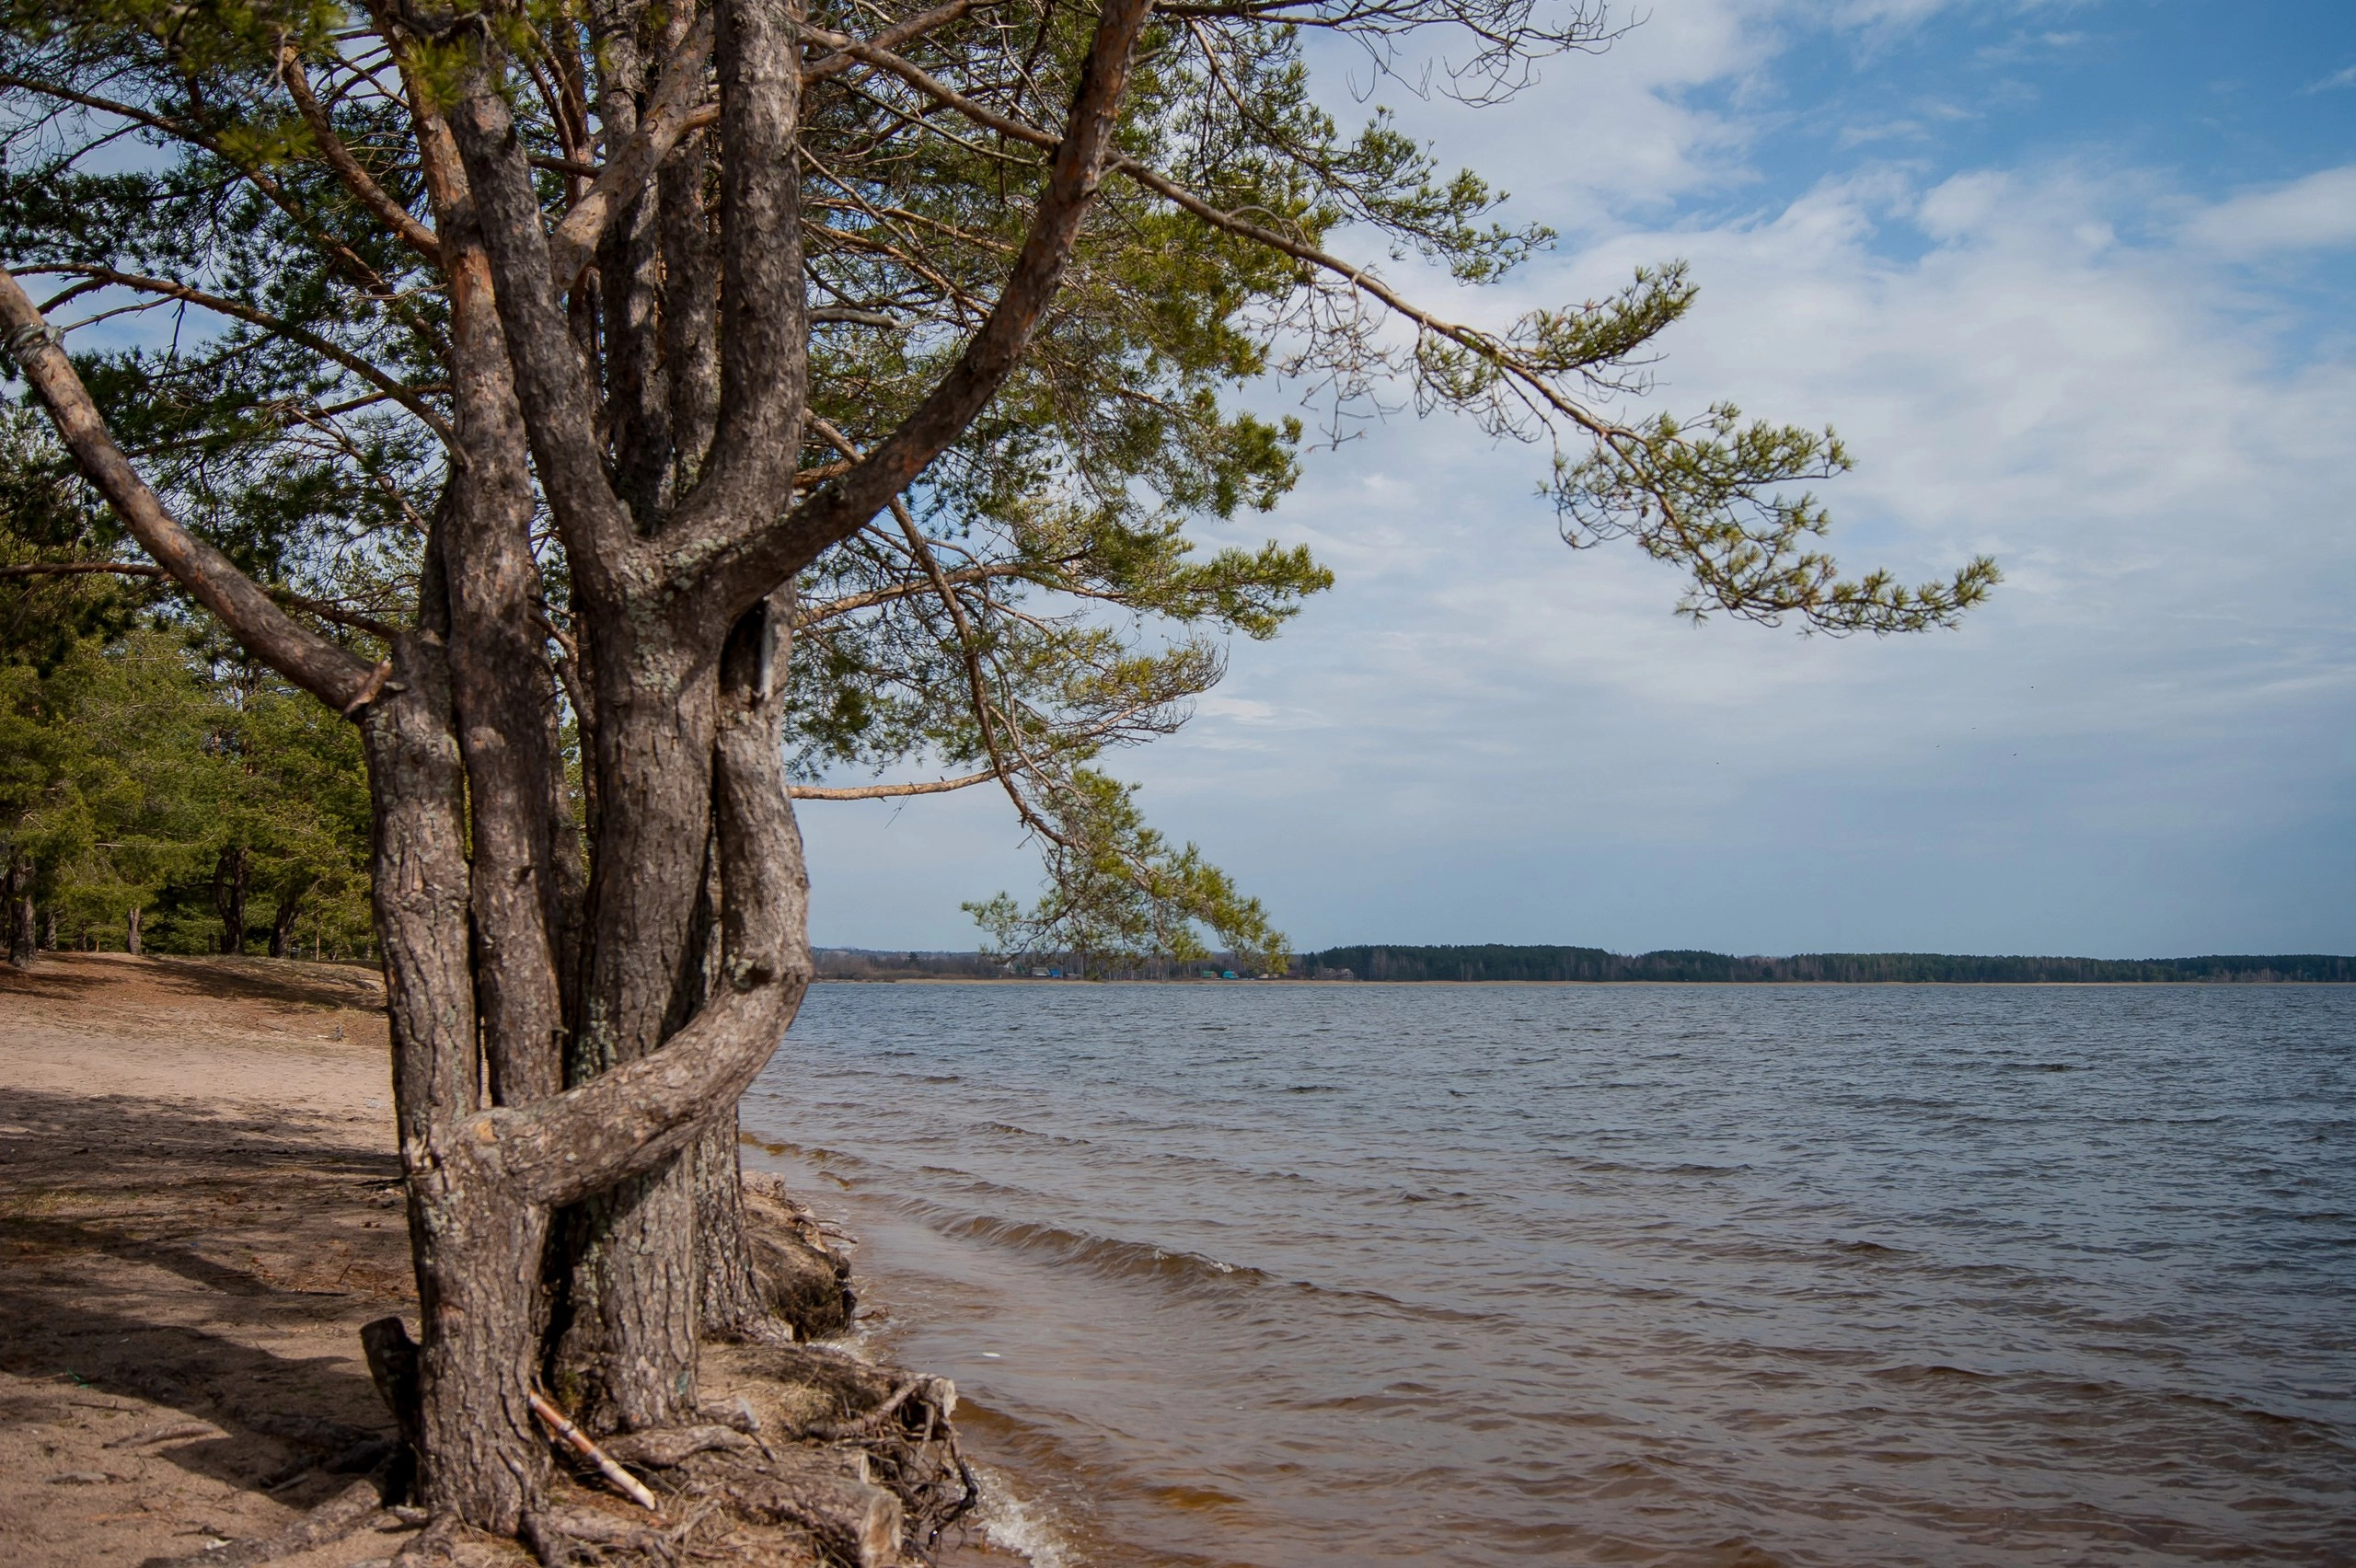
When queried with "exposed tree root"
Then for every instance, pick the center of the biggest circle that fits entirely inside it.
(805, 1457)
(355, 1507)
(802, 1281)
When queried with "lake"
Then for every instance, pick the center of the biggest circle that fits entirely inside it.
(1277, 1274)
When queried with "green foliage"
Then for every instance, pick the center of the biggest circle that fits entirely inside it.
(1118, 894)
(129, 768)
(1050, 590)
(1710, 497)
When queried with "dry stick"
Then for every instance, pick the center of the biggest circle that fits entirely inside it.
(630, 1485)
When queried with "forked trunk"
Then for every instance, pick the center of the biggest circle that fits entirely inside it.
(485, 1179)
(282, 925)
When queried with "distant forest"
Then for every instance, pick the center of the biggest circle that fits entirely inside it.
(1499, 962)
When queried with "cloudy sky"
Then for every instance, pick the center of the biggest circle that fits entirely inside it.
(2073, 279)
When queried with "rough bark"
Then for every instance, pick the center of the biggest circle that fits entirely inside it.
(627, 1353)
(502, 691)
(731, 1300)
(637, 410)
(130, 932)
(477, 1249)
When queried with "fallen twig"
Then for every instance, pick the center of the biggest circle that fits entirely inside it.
(630, 1486)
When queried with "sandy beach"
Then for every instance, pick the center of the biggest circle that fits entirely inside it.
(198, 1208)
(200, 1205)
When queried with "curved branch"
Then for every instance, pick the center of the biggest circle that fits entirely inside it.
(335, 675)
(357, 180)
(406, 397)
(623, 1121)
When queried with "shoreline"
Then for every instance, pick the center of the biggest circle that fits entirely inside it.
(200, 1205)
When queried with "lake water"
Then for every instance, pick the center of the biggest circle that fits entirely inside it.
(1864, 1276)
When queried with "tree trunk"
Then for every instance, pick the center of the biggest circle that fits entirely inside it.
(281, 926)
(626, 1357)
(733, 1301)
(20, 912)
(130, 932)
(49, 931)
(229, 876)
(476, 1246)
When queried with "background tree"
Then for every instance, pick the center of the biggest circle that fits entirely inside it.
(591, 349)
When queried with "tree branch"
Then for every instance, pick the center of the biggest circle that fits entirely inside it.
(889, 791)
(357, 180)
(335, 675)
(743, 566)
(236, 311)
(551, 383)
(672, 111)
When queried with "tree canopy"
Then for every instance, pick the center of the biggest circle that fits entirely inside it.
(624, 414)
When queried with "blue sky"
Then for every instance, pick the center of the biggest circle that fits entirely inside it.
(2073, 279)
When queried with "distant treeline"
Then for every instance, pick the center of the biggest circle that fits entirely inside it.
(1495, 962)
(862, 964)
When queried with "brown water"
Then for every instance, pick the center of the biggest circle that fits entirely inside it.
(1871, 1276)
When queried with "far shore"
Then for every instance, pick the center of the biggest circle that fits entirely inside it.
(1606, 985)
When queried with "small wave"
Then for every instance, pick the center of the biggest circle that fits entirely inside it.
(1011, 1525)
(1107, 1256)
(1643, 1168)
(1867, 1248)
(1008, 1129)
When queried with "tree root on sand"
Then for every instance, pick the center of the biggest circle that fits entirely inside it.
(349, 1511)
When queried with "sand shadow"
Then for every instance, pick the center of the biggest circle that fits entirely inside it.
(269, 980)
(91, 1183)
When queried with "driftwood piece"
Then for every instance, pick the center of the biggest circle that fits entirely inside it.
(580, 1442)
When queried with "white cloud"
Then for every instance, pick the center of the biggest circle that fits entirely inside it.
(2145, 743)
(2344, 77)
(2167, 677)
(2306, 214)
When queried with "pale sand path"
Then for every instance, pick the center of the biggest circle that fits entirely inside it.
(197, 1212)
